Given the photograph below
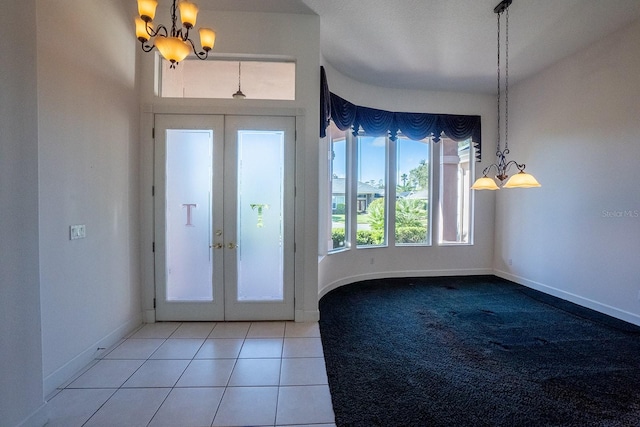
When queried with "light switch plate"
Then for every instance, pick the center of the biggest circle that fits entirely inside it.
(77, 232)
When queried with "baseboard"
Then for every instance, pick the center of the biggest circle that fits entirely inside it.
(568, 296)
(38, 418)
(65, 372)
(404, 273)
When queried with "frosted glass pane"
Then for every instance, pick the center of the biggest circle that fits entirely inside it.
(260, 215)
(188, 215)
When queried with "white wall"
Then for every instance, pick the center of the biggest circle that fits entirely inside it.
(21, 398)
(353, 265)
(577, 127)
(88, 128)
(252, 35)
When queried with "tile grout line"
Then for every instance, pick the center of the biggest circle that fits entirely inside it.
(180, 376)
(100, 407)
(227, 385)
(129, 377)
(235, 363)
(275, 416)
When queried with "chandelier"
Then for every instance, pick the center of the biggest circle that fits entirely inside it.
(520, 179)
(174, 45)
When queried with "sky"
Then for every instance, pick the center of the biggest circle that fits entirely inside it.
(372, 157)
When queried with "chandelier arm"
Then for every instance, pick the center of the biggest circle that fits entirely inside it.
(184, 35)
(520, 166)
(486, 170)
(157, 31)
(502, 164)
(201, 55)
(146, 47)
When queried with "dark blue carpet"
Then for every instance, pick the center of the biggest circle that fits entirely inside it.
(475, 351)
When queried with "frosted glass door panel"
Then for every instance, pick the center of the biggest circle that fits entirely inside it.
(188, 215)
(260, 215)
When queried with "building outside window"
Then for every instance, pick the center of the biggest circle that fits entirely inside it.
(371, 209)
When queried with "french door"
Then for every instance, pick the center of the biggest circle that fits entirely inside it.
(224, 212)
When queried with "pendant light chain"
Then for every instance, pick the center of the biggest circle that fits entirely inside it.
(239, 94)
(498, 91)
(506, 84)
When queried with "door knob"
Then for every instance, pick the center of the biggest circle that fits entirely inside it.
(232, 246)
(216, 246)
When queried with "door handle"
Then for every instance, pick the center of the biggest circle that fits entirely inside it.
(232, 246)
(216, 246)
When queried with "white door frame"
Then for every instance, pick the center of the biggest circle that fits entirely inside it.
(260, 310)
(224, 280)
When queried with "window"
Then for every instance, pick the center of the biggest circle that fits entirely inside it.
(193, 78)
(338, 188)
(456, 170)
(413, 180)
(368, 208)
(371, 201)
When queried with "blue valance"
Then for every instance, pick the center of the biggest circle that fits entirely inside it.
(325, 104)
(376, 122)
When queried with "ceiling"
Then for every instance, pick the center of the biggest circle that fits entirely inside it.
(448, 45)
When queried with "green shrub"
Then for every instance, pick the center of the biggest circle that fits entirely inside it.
(410, 212)
(376, 214)
(411, 234)
(370, 237)
(337, 236)
(363, 237)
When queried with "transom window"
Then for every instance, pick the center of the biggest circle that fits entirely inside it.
(275, 80)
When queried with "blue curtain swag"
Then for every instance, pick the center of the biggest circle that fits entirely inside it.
(374, 122)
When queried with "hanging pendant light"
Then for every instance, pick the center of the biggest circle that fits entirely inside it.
(174, 45)
(521, 179)
(239, 94)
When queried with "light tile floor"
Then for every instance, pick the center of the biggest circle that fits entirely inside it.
(202, 374)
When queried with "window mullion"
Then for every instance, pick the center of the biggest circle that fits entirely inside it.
(435, 219)
(351, 220)
(391, 192)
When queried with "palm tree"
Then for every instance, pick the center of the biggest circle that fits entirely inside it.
(410, 213)
(404, 187)
(419, 176)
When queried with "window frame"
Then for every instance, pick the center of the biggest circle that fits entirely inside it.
(430, 192)
(470, 160)
(434, 201)
(354, 188)
(347, 191)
